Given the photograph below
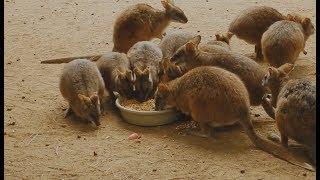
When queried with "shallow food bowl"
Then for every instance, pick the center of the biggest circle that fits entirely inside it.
(147, 118)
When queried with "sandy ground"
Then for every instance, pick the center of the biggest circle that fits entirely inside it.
(40, 143)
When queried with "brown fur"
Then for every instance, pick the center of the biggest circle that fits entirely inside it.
(82, 86)
(214, 95)
(251, 73)
(145, 58)
(295, 102)
(173, 40)
(251, 23)
(115, 70)
(142, 22)
(284, 40)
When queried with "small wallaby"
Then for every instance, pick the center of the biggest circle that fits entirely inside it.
(251, 23)
(145, 59)
(173, 40)
(115, 70)
(142, 22)
(214, 95)
(295, 107)
(284, 40)
(82, 86)
(69, 59)
(189, 56)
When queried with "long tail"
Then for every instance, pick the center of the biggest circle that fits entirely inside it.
(69, 59)
(272, 148)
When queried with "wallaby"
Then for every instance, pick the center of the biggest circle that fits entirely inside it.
(295, 107)
(284, 40)
(82, 86)
(251, 73)
(251, 23)
(173, 40)
(142, 22)
(145, 59)
(115, 70)
(212, 95)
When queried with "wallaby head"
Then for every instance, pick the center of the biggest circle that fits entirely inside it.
(174, 12)
(143, 83)
(276, 75)
(163, 96)
(187, 52)
(170, 70)
(125, 83)
(305, 22)
(90, 108)
(224, 37)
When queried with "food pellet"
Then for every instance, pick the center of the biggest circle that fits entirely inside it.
(139, 106)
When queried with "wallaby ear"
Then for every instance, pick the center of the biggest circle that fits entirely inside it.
(94, 98)
(163, 88)
(287, 68)
(190, 47)
(137, 71)
(166, 4)
(196, 40)
(272, 71)
(129, 75)
(306, 22)
(217, 36)
(121, 75)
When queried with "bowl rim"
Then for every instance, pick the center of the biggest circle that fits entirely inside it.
(141, 112)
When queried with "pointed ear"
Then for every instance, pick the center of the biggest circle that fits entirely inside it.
(165, 4)
(218, 36)
(190, 47)
(94, 98)
(129, 75)
(306, 22)
(121, 75)
(163, 88)
(137, 71)
(286, 68)
(272, 71)
(196, 40)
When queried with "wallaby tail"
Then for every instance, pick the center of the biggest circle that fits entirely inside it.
(272, 148)
(69, 59)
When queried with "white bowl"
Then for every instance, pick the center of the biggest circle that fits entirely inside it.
(147, 118)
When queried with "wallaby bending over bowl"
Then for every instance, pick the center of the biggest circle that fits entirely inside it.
(142, 22)
(115, 71)
(214, 95)
(189, 56)
(145, 59)
(284, 40)
(82, 86)
(295, 107)
(251, 23)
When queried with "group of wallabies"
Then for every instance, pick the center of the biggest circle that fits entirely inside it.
(208, 81)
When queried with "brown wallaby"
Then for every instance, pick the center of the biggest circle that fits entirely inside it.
(251, 23)
(251, 73)
(142, 22)
(145, 58)
(82, 86)
(214, 95)
(284, 40)
(295, 107)
(115, 70)
(173, 40)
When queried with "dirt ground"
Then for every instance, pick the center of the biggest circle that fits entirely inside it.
(41, 144)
